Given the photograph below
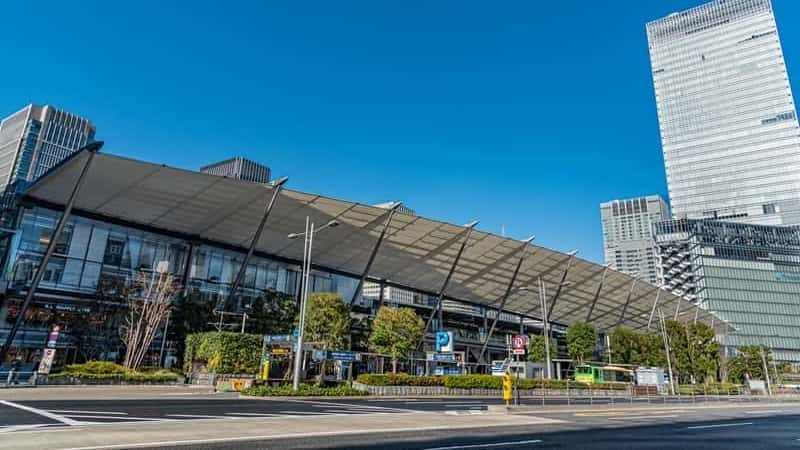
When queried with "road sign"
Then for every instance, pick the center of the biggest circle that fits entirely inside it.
(441, 357)
(47, 361)
(337, 355)
(277, 338)
(444, 341)
(518, 344)
(279, 351)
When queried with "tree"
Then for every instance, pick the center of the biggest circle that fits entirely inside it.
(703, 351)
(581, 341)
(679, 351)
(327, 321)
(651, 349)
(274, 313)
(149, 301)
(747, 364)
(626, 346)
(537, 351)
(395, 332)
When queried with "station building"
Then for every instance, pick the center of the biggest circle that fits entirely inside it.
(131, 215)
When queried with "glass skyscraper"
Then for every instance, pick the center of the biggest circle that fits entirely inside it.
(36, 138)
(728, 122)
(748, 275)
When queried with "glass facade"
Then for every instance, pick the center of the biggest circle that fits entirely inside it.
(728, 122)
(749, 275)
(36, 138)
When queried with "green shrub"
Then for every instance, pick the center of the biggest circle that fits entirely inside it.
(104, 370)
(305, 390)
(224, 352)
(398, 379)
(476, 381)
(709, 389)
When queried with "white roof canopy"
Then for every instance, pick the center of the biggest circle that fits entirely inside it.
(416, 253)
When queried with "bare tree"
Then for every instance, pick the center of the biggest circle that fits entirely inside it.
(149, 301)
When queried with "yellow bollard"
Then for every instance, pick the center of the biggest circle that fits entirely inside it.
(508, 388)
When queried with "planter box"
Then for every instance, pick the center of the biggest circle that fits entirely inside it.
(71, 381)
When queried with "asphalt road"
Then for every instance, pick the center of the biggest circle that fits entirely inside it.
(779, 432)
(37, 413)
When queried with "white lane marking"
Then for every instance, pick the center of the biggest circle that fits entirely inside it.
(768, 411)
(301, 413)
(197, 416)
(125, 418)
(21, 427)
(75, 411)
(351, 412)
(719, 425)
(250, 414)
(652, 416)
(347, 405)
(494, 444)
(41, 412)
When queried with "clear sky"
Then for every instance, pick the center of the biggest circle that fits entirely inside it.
(524, 115)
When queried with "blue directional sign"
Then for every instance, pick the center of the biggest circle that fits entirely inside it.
(277, 338)
(444, 341)
(337, 355)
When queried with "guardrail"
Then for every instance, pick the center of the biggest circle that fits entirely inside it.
(17, 377)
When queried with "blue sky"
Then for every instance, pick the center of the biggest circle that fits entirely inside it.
(523, 115)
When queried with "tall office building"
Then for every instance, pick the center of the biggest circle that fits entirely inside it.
(239, 168)
(628, 237)
(729, 128)
(748, 275)
(36, 138)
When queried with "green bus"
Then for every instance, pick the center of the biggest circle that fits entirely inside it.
(603, 374)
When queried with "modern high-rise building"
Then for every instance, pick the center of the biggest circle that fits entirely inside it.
(728, 122)
(36, 138)
(628, 237)
(239, 168)
(748, 275)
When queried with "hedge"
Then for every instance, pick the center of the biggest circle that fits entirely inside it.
(478, 382)
(305, 390)
(710, 389)
(103, 370)
(224, 352)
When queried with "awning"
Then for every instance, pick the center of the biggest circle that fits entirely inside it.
(416, 253)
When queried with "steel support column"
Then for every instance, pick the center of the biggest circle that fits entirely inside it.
(627, 302)
(653, 311)
(276, 189)
(597, 294)
(503, 300)
(560, 287)
(373, 254)
(92, 149)
(470, 226)
(186, 270)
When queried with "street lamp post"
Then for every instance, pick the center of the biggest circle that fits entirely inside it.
(308, 239)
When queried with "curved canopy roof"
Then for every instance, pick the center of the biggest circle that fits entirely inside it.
(417, 252)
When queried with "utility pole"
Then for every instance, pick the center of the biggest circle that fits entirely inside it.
(666, 350)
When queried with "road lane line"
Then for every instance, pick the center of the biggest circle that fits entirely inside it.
(654, 416)
(719, 425)
(75, 411)
(301, 413)
(125, 418)
(11, 428)
(250, 414)
(41, 412)
(345, 405)
(197, 416)
(766, 411)
(494, 444)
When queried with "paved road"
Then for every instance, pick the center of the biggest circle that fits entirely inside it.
(779, 432)
(15, 415)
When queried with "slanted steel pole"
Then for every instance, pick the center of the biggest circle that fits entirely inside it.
(627, 301)
(560, 285)
(276, 189)
(653, 311)
(92, 149)
(470, 226)
(597, 294)
(503, 300)
(373, 254)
